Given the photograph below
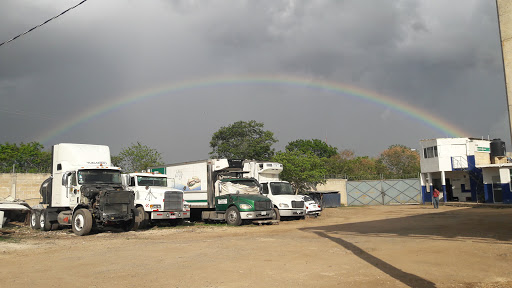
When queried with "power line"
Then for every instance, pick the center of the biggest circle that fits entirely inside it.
(14, 38)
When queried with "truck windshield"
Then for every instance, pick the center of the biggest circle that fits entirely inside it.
(99, 176)
(151, 181)
(281, 188)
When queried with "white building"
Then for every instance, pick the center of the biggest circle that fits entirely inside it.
(465, 169)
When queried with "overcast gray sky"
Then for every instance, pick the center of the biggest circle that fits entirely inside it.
(72, 79)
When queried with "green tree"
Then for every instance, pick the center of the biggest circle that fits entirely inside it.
(137, 157)
(302, 170)
(400, 160)
(364, 167)
(25, 158)
(316, 146)
(339, 164)
(243, 140)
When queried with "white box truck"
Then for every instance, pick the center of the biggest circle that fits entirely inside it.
(84, 191)
(285, 202)
(154, 200)
(217, 190)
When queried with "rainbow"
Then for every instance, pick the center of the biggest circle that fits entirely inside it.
(446, 128)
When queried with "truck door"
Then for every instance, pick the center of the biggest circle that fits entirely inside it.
(71, 190)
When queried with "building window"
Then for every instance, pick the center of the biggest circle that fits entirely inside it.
(430, 152)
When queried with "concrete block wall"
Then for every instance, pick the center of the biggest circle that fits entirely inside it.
(26, 186)
(335, 185)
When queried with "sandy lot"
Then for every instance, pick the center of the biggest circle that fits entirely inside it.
(385, 246)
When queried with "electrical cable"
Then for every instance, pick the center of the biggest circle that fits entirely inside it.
(14, 38)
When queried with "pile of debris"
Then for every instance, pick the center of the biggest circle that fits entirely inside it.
(13, 210)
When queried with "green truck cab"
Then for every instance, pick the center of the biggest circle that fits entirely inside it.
(239, 201)
(242, 202)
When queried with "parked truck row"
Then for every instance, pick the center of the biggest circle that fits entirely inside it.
(86, 192)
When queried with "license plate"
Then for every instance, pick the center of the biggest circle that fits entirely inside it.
(264, 213)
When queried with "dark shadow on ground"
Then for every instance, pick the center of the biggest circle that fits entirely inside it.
(408, 279)
(478, 223)
(475, 224)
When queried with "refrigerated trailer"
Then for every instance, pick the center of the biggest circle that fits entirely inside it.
(217, 189)
(285, 202)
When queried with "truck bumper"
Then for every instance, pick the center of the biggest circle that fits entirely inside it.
(159, 215)
(291, 212)
(314, 212)
(267, 214)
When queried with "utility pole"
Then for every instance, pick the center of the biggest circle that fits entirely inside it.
(504, 11)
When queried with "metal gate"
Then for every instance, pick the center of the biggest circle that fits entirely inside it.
(383, 192)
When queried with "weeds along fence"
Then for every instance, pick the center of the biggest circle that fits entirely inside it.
(373, 176)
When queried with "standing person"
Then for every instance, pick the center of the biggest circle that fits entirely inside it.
(436, 198)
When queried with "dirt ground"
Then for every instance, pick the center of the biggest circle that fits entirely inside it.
(384, 246)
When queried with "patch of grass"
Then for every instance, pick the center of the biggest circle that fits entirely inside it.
(9, 239)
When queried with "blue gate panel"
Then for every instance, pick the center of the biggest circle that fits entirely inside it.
(364, 193)
(383, 192)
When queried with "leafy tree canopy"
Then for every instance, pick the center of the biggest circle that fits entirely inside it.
(25, 158)
(339, 163)
(400, 160)
(243, 140)
(137, 157)
(302, 170)
(315, 146)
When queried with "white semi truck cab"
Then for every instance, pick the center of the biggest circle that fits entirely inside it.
(84, 191)
(285, 202)
(154, 200)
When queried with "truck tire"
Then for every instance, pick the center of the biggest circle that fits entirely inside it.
(233, 216)
(276, 215)
(45, 225)
(130, 224)
(141, 218)
(34, 219)
(82, 222)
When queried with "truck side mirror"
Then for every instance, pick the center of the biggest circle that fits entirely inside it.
(65, 177)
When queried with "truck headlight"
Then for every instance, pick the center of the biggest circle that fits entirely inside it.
(245, 207)
(283, 205)
(155, 206)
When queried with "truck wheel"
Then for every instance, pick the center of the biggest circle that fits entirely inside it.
(276, 215)
(233, 216)
(140, 218)
(43, 220)
(82, 222)
(128, 225)
(34, 219)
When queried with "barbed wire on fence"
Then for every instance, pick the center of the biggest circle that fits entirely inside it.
(372, 176)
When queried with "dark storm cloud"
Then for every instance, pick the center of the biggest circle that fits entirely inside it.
(441, 56)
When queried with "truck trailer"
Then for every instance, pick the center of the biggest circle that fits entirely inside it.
(154, 200)
(84, 192)
(285, 203)
(216, 188)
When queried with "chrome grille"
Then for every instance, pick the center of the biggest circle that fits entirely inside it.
(173, 201)
(262, 205)
(297, 204)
